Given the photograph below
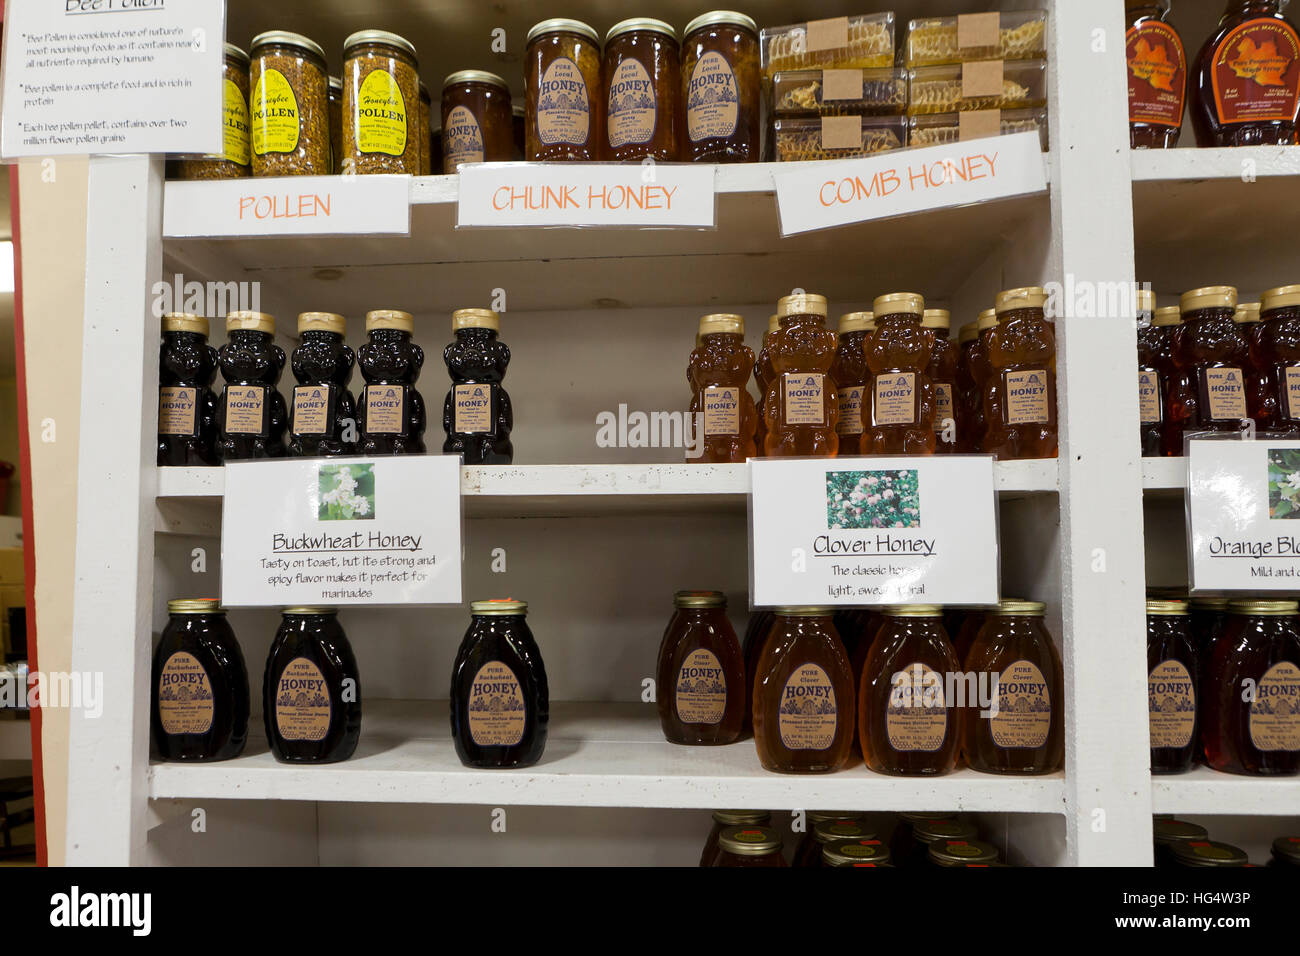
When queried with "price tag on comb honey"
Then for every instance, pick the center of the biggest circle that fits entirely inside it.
(873, 531)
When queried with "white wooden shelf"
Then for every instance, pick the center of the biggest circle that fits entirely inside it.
(1164, 475)
(596, 755)
(1207, 791)
(15, 740)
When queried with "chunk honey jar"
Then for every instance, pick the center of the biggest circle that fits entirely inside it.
(721, 89)
(477, 122)
(562, 76)
(701, 673)
(719, 371)
(643, 93)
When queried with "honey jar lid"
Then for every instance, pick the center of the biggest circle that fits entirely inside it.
(1283, 297)
(1164, 608)
(286, 38)
(1200, 602)
(236, 53)
(195, 606)
(720, 18)
(1169, 315)
(722, 322)
(475, 76)
(1146, 300)
(699, 599)
(899, 303)
(1247, 313)
(475, 319)
(1255, 608)
(1207, 853)
(1028, 297)
(929, 831)
(936, 319)
(638, 25)
(1013, 607)
(390, 319)
(818, 816)
(855, 853)
(1286, 849)
(499, 607)
(857, 322)
(789, 611)
(749, 841)
(961, 852)
(741, 818)
(841, 828)
(988, 319)
(322, 322)
(253, 321)
(367, 37)
(308, 611)
(1209, 297)
(336, 85)
(517, 109)
(914, 610)
(968, 333)
(562, 25)
(1167, 832)
(801, 303)
(185, 322)
(773, 324)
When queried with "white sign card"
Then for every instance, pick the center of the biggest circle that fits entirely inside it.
(289, 206)
(112, 76)
(822, 195)
(1243, 505)
(587, 194)
(340, 531)
(872, 531)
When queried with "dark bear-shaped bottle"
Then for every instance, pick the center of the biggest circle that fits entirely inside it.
(323, 420)
(252, 414)
(390, 415)
(187, 407)
(476, 415)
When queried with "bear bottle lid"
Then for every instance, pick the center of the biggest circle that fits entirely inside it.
(801, 303)
(389, 319)
(899, 303)
(1169, 315)
(185, 322)
(1283, 297)
(936, 319)
(1146, 300)
(251, 321)
(322, 322)
(1209, 297)
(475, 319)
(724, 322)
(988, 320)
(1247, 313)
(857, 322)
(1027, 297)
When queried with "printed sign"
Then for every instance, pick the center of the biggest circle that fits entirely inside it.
(289, 206)
(872, 531)
(342, 531)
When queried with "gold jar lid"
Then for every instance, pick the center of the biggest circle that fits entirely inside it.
(936, 319)
(727, 323)
(185, 322)
(475, 76)
(801, 303)
(899, 303)
(988, 320)
(1201, 603)
(252, 321)
(562, 25)
(855, 853)
(390, 319)
(1146, 300)
(1256, 608)
(286, 38)
(699, 599)
(475, 319)
(309, 611)
(1283, 297)
(1012, 300)
(914, 610)
(790, 611)
(962, 852)
(820, 816)
(721, 18)
(749, 841)
(841, 828)
(928, 831)
(195, 606)
(369, 37)
(1169, 315)
(773, 324)
(1247, 313)
(857, 322)
(1013, 607)
(968, 333)
(322, 322)
(1286, 849)
(1176, 831)
(640, 25)
(1201, 853)
(1163, 608)
(499, 607)
(1209, 297)
(742, 818)
(914, 818)
(236, 53)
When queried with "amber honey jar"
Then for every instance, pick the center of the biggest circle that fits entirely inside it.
(1261, 402)
(967, 393)
(1208, 389)
(477, 123)
(862, 853)
(827, 833)
(1167, 833)
(1207, 615)
(1020, 410)
(722, 819)
(719, 371)
(762, 367)
(701, 672)
(749, 846)
(566, 119)
(801, 406)
(756, 632)
(1155, 371)
(1201, 854)
(926, 833)
(902, 400)
(986, 391)
(1277, 347)
(643, 91)
(952, 853)
(807, 849)
(942, 373)
(721, 89)
(1173, 672)
(903, 841)
(1157, 76)
(852, 380)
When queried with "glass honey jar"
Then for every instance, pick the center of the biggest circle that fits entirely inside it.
(477, 124)
(643, 92)
(926, 833)
(1167, 834)
(762, 369)
(986, 392)
(857, 853)
(749, 846)
(721, 89)
(1156, 329)
(1021, 417)
(722, 819)
(953, 853)
(903, 841)
(1277, 351)
(1201, 854)
(311, 689)
(852, 380)
(565, 117)
(807, 850)
(942, 373)
(902, 400)
(719, 370)
(1173, 672)
(801, 406)
(1208, 390)
(701, 673)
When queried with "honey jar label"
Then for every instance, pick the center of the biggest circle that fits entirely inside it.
(1171, 701)
(895, 399)
(1225, 394)
(302, 702)
(313, 409)
(1157, 75)
(472, 410)
(701, 689)
(381, 115)
(1024, 707)
(945, 410)
(462, 139)
(273, 110)
(246, 410)
(178, 411)
(1027, 402)
(184, 696)
(805, 402)
(1275, 711)
(631, 113)
(916, 719)
(1291, 392)
(563, 105)
(807, 713)
(721, 410)
(235, 120)
(386, 409)
(850, 421)
(497, 714)
(1149, 397)
(712, 99)
(1254, 73)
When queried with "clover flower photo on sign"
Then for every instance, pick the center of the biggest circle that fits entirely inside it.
(347, 492)
(1284, 483)
(869, 500)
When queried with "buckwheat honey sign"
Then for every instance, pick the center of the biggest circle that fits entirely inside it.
(872, 531)
(342, 531)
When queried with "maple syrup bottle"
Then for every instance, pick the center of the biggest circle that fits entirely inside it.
(701, 673)
(967, 393)
(252, 415)
(942, 373)
(1027, 734)
(1208, 390)
(803, 695)
(898, 353)
(853, 380)
(476, 414)
(1150, 337)
(1021, 411)
(722, 819)
(500, 705)
(1277, 347)
(390, 414)
(801, 405)
(906, 724)
(311, 690)
(1245, 85)
(187, 407)
(200, 685)
(323, 418)
(1256, 656)
(762, 378)
(1157, 76)
(749, 846)
(1173, 673)
(719, 372)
